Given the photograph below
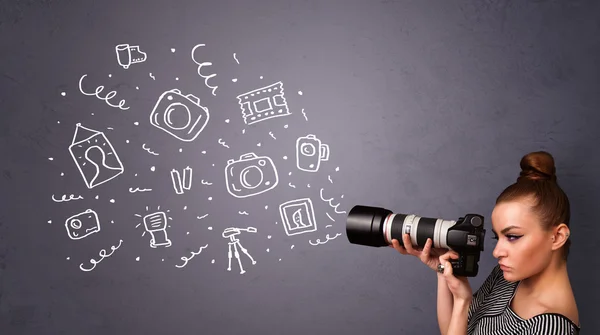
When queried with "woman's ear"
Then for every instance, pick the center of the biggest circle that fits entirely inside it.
(560, 235)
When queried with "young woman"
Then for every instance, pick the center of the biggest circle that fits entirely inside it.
(529, 291)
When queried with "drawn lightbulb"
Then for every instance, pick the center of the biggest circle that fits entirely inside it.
(156, 224)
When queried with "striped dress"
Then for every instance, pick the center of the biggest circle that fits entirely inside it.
(490, 312)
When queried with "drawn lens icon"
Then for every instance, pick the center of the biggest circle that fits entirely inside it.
(178, 116)
(308, 149)
(76, 223)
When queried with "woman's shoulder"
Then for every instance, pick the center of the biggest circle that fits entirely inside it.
(554, 322)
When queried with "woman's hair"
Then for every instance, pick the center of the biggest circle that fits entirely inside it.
(537, 181)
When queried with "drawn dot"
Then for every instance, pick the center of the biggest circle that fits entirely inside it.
(204, 152)
(285, 126)
(280, 259)
(276, 222)
(337, 168)
(284, 157)
(111, 221)
(180, 150)
(269, 237)
(176, 78)
(227, 121)
(50, 158)
(173, 50)
(58, 122)
(126, 141)
(290, 173)
(299, 92)
(342, 196)
(213, 164)
(213, 261)
(68, 258)
(49, 221)
(267, 206)
(163, 259)
(258, 144)
(153, 169)
(62, 174)
(292, 247)
(187, 233)
(112, 201)
(184, 208)
(135, 175)
(97, 197)
(137, 259)
(234, 80)
(307, 185)
(63, 93)
(137, 87)
(92, 113)
(267, 249)
(109, 75)
(209, 198)
(243, 131)
(261, 77)
(136, 123)
(209, 228)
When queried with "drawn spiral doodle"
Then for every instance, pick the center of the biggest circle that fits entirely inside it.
(200, 66)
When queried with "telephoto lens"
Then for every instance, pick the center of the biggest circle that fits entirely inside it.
(377, 227)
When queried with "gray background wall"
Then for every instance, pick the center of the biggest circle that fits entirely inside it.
(427, 107)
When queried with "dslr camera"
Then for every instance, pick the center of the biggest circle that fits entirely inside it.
(377, 227)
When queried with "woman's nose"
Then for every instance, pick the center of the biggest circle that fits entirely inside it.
(498, 251)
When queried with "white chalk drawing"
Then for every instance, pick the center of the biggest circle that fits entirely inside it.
(329, 216)
(310, 152)
(234, 243)
(179, 115)
(273, 136)
(205, 182)
(152, 76)
(186, 259)
(137, 189)
(263, 103)
(318, 241)
(330, 203)
(148, 150)
(102, 254)
(303, 113)
(201, 217)
(327, 226)
(181, 184)
(82, 225)
(156, 224)
(243, 213)
(250, 175)
(329, 178)
(129, 54)
(291, 185)
(221, 142)
(200, 66)
(298, 216)
(235, 57)
(65, 199)
(106, 98)
(92, 146)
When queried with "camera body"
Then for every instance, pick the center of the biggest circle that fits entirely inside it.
(377, 227)
(179, 115)
(83, 224)
(250, 175)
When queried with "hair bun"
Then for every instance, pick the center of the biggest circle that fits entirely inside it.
(538, 165)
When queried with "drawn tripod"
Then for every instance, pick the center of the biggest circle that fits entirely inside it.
(231, 233)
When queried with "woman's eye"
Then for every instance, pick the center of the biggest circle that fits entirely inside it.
(512, 237)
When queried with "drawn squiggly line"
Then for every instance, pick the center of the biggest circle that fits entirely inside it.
(236, 60)
(200, 65)
(148, 150)
(106, 98)
(102, 254)
(201, 217)
(64, 198)
(221, 142)
(304, 114)
(110, 128)
(205, 182)
(292, 185)
(329, 178)
(243, 213)
(327, 226)
(330, 218)
(273, 136)
(330, 204)
(137, 189)
(327, 237)
(185, 259)
(151, 76)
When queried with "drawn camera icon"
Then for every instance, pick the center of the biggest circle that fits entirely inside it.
(310, 152)
(179, 115)
(82, 224)
(250, 175)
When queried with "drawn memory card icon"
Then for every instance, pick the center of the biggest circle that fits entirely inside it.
(298, 216)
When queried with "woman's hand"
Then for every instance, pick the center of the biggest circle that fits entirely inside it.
(427, 254)
(459, 286)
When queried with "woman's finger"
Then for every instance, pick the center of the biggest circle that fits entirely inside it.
(426, 249)
(408, 244)
(396, 245)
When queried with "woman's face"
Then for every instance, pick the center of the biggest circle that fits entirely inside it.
(523, 248)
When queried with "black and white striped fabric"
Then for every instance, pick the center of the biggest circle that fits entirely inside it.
(490, 312)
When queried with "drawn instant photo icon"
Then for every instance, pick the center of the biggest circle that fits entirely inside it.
(250, 175)
(94, 156)
(263, 103)
(82, 224)
(298, 216)
(179, 115)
